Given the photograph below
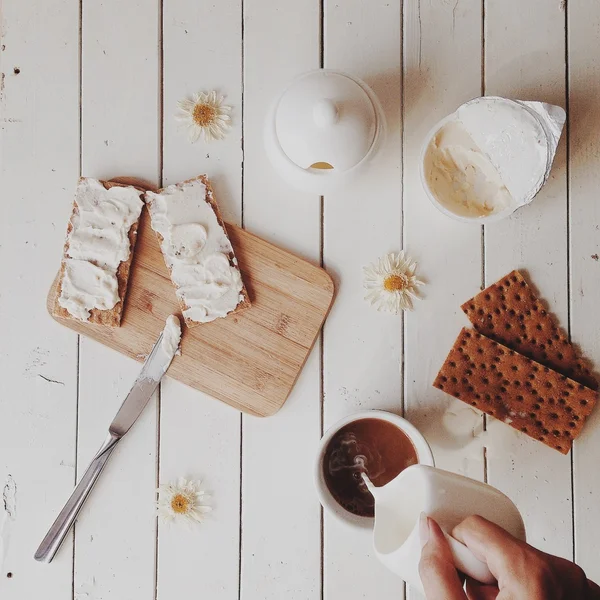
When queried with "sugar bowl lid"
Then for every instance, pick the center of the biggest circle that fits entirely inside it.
(326, 120)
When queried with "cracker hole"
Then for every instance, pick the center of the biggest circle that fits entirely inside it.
(524, 429)
(520, 398)
(583, 402)
(554, 416)
(556, 432)
(454, 380)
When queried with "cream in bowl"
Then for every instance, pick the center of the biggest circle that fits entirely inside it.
(490, 157)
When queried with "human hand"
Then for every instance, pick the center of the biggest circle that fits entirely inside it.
(522, 572)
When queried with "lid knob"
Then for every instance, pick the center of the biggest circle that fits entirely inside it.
(325, 113)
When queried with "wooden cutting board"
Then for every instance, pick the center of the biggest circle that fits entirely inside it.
(249, 360)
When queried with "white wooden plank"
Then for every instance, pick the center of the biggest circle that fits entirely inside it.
(584, 182)
(525, 59)
(281, 543)
(39, 161)
(363, 348)
(199, 436)
(115, 535)
(442, 69)
(438, 36)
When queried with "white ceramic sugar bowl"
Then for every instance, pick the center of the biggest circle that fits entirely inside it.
(323, 130)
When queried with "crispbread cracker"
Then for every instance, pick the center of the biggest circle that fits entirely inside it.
(510, 313)
(111, 317)
(245, 302)
(526, 395)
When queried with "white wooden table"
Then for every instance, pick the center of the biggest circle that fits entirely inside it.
(92, 90)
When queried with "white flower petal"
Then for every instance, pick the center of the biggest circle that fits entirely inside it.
(392, 264)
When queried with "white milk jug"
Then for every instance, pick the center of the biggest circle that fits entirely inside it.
(449, 499)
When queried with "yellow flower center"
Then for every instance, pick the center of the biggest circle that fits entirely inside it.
(204, 114)
(180, 504)
(395, 283)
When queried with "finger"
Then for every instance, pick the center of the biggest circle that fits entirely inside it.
(489, 543)
(480, 591)
(436, 568)
(593, 591)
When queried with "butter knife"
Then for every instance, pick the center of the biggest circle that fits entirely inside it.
(154, 368)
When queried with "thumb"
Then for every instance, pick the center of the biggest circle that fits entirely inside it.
(436, 568)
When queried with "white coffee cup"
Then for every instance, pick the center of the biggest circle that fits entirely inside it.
(423, 451)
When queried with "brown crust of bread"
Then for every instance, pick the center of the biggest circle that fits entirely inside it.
(524, 394)
(510, 313)
(210, 198)
(112, 317)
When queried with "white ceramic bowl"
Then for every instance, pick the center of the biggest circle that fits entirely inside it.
(424, 456)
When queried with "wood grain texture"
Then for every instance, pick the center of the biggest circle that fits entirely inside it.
(442, 69)
(362, 351)
(39, 158)
(281, 515)
(115, 549)
(251, 360)
(200, 438)
(584, 211)
(521, 62)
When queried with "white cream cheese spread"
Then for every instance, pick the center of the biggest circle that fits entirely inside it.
(461, 176)
(171, 336)
(491, 156)
(196, 250)
(97, 244)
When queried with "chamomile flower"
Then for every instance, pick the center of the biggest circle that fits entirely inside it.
(205, 114)
(391, 283)
(182, 500)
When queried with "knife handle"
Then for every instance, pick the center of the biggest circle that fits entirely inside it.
(59, 529)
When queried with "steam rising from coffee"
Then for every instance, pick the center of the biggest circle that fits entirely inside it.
(374, 447)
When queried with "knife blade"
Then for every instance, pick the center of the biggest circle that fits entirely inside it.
(155, 366)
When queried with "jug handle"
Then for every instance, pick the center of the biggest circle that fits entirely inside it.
(466, 562)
